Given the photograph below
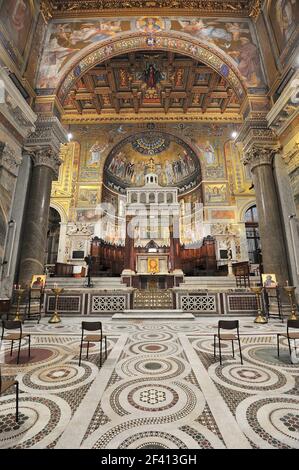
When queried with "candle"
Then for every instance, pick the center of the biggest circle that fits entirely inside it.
(287, 283)
(55, 285)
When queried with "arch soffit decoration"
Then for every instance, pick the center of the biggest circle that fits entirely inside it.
(200, 50)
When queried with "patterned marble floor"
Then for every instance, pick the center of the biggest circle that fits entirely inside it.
(160, 388)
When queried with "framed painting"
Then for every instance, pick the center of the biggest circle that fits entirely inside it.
(269, 280)
(38, 281)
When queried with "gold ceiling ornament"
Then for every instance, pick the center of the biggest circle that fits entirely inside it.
(68, 119)
(46, 8)
(241, 7)
(255, 8)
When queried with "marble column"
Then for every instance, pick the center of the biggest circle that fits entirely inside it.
(45, 167)
(274, 253)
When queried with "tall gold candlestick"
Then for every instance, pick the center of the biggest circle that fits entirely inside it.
(19, 291)
(56, 317)
(290, 291)
(260, 317)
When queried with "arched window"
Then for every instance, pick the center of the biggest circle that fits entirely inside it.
(133, 197)
(143, 198)
(151, 197)
(252, 235)
(161, 198)
(169, 198)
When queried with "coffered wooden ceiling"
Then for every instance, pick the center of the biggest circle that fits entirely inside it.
(151, 83)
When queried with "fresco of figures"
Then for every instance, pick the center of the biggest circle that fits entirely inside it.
(235, 37)
(17, 17)
(65, 39)
(284, 17)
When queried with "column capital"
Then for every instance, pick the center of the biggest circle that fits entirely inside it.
(257, 156)
(46, 157)
(9, 160)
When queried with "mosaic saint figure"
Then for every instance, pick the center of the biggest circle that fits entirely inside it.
(96, 152)
(209, 153)
(168, 172)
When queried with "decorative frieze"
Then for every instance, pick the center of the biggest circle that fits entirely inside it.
(291, 158)
(49, 133)
(80, 229)
(13, 107)
(232, 7)
(286, 108)
(9, 159)
(223, 229)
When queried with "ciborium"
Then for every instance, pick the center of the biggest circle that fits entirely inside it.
(19, 292)
(290, 291)
(56, 317)
(260, 317)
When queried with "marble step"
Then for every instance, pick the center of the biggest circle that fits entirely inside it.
(153, 314)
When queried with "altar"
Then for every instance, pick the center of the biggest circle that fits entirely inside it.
(152, 263)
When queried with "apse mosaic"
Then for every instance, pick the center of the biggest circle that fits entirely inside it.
(234, 36)
(171, 159)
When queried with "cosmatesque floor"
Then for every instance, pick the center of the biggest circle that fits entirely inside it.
(160, 388)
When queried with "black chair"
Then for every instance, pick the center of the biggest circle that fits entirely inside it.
(228, 325)
(289, 335)
(14, 325)
(5, 385)
(95, 338)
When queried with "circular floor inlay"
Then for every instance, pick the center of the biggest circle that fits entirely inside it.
(36, 355)
(152, 365)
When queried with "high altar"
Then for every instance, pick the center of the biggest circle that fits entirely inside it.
(152, 212)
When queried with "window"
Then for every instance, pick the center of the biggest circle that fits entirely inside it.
(133, 197)
(151, 197)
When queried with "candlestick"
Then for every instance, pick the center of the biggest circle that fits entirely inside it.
(290, 290)
(19, 292)
(260, 318)
(56, 317)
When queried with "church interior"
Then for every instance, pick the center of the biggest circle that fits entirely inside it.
(149, 224)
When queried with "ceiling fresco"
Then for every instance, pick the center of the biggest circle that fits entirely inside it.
(66, 37)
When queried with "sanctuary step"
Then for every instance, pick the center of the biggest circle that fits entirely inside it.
(212, 282)
(77, 283)
(169, 314)
(153, 299)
